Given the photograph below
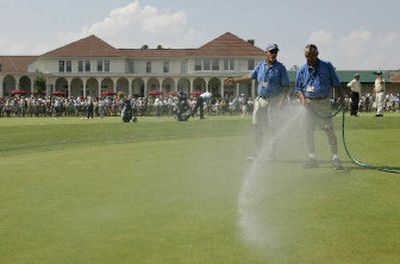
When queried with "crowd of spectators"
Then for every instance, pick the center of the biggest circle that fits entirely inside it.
(33, 106)
(367, 103)
(54, 106)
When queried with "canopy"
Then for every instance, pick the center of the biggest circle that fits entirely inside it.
(173, 93)
(109, 92)
(196, 92)
(154, 92)
(58, 93)
(18, 91)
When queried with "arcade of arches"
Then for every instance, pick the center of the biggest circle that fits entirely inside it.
(93, 86)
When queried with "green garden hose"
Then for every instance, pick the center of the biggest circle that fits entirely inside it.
(339, 108)
(362, 164)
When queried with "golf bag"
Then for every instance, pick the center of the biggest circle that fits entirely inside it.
(127, 111)
(183, 112)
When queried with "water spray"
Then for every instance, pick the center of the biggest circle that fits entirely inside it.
(249, 223)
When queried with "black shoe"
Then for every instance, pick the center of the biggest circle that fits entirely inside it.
(312, 163)
(337, 164)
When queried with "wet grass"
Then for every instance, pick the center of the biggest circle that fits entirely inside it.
(159, 191)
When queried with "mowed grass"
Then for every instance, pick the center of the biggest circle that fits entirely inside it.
(161, 191)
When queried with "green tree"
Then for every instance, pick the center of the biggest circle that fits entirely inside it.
(40, 82)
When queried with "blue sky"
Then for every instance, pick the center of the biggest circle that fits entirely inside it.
(351, 34)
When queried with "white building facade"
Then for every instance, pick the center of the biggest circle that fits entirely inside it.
(90, 66)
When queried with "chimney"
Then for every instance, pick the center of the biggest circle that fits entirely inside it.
(251, 41)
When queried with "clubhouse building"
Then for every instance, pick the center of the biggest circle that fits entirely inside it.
(90, 66)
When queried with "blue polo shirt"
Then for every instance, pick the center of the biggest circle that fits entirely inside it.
(318, 82)
(270, 79)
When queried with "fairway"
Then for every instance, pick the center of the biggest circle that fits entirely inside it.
(162, 191)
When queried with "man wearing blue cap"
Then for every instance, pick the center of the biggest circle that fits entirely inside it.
(272, 90)
(314, 83)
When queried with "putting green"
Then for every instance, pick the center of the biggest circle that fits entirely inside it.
(159, 191)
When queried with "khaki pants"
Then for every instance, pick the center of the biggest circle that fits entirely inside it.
(318, 113)
(380, 102)
(260, 112)
(262, 117)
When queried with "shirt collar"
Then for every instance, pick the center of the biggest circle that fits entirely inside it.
(316, 65)
(270, 66)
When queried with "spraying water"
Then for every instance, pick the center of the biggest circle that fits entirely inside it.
(252, 229)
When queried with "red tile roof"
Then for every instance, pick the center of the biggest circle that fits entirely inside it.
(228, 44)
(156, 53)
(16, 64)
(91, 46)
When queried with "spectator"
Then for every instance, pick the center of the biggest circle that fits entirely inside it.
(355, 87)
(379, 90)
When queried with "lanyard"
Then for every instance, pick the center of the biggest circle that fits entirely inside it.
(266, 73)
(313, 75)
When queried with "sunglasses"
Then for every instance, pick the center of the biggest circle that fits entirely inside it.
(274, 51)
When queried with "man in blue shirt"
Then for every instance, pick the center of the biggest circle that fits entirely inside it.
(272, 91)
(314, 83)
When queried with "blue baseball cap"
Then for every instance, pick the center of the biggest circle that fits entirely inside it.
(271, 47)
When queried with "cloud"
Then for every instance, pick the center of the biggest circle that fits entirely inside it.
(134, 25)
(129, 26)
(9, 47)
(359, 49)
(321, 37)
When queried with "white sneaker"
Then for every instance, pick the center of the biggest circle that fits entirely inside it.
(250, 158)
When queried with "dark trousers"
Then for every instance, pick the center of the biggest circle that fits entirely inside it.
(355, 98)
(90, 111)
(199, 104)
